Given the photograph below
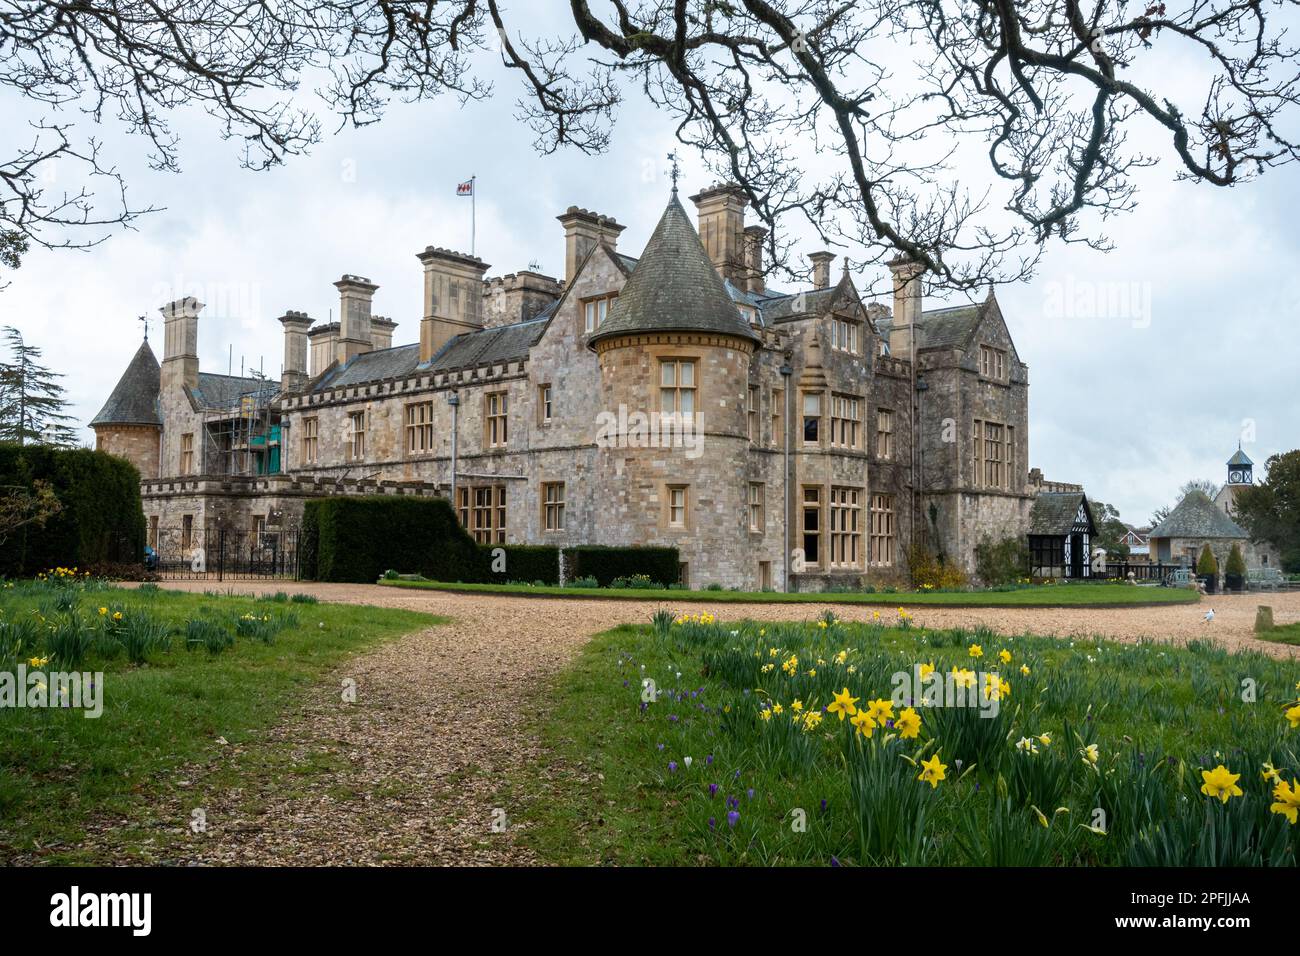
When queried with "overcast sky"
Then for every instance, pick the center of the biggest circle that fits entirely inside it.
(1147, 364)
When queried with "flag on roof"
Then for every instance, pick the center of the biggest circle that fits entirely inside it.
(466, 188)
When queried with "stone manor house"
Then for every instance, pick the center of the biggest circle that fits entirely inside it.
(795, 438)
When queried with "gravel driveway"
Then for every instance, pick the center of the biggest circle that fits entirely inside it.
(408, 773)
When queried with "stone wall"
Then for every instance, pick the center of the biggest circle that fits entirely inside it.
(138, 444)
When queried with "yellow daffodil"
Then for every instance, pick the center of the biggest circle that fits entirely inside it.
(875, 616)
(1024, 670)
(791, 665)
(863, 723)
(1090, 754)
(1220, 782)
(852, 669)
(1026, 745)
(1270, 773)
(932, 771)
(103, 611)
(963, 677)
(843, 704)
(811, 719)
(38, 661)
(995, 688)
(1045, 739)
(765, 714)
(1288, 800)
(841, 657)
(777, 709)
(908, 723)
(881, 710)
(975, 651)
(927, 670)
(117, 615)
(1293, 715)
(812, 672)
(797, 706)
(1004, 656)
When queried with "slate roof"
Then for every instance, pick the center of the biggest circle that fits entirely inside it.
(812, 302)
(396, 362)
(504, 343)
(1054, 512)
(674, 287)
(1198, 517)
(1240, 458)
(134, 400)
(942, 328)
(224, 391)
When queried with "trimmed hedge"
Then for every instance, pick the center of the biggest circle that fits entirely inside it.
(605, 564)
(101, 521)
(357, 539)
(526, 563)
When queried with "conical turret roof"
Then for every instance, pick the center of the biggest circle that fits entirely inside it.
(674, 287)
(135, 399)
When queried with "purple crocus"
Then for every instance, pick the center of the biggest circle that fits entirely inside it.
(750, 793)
(708, 761)
(672, 766)
(713, 823)
(661, 746)
(713, 790)
(733, 818)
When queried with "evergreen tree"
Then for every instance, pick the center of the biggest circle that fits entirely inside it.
(1270, 511)
(32, 402)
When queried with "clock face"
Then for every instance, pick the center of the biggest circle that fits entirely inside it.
(1236, 477)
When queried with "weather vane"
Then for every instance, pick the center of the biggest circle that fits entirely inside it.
(144, 320)
(675, 172)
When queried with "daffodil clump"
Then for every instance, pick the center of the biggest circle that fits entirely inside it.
(816, 741)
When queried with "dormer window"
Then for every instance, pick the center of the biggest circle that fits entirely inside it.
(749, 314)
(993, 363)
(595, 311)
(844, 336)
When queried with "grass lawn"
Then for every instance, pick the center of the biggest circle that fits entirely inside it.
(1282, 634)
(1053, 595)
(698, 775)
(59, 769)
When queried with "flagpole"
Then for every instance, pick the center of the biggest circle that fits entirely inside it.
(473, 211)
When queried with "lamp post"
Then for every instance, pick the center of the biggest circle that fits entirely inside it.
(786, 372)
(454, 401)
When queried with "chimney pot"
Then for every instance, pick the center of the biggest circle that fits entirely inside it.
(821, 268)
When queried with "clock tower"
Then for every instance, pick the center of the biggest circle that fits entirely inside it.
(1239, 468)
(1240, 475)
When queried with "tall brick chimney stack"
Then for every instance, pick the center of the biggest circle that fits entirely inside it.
(821, 268)
(453, 297)
(355, 295)
(754, 280)
(294, 375)
(583, 230)
(721, 215)
(180, 365)
(907, 305)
